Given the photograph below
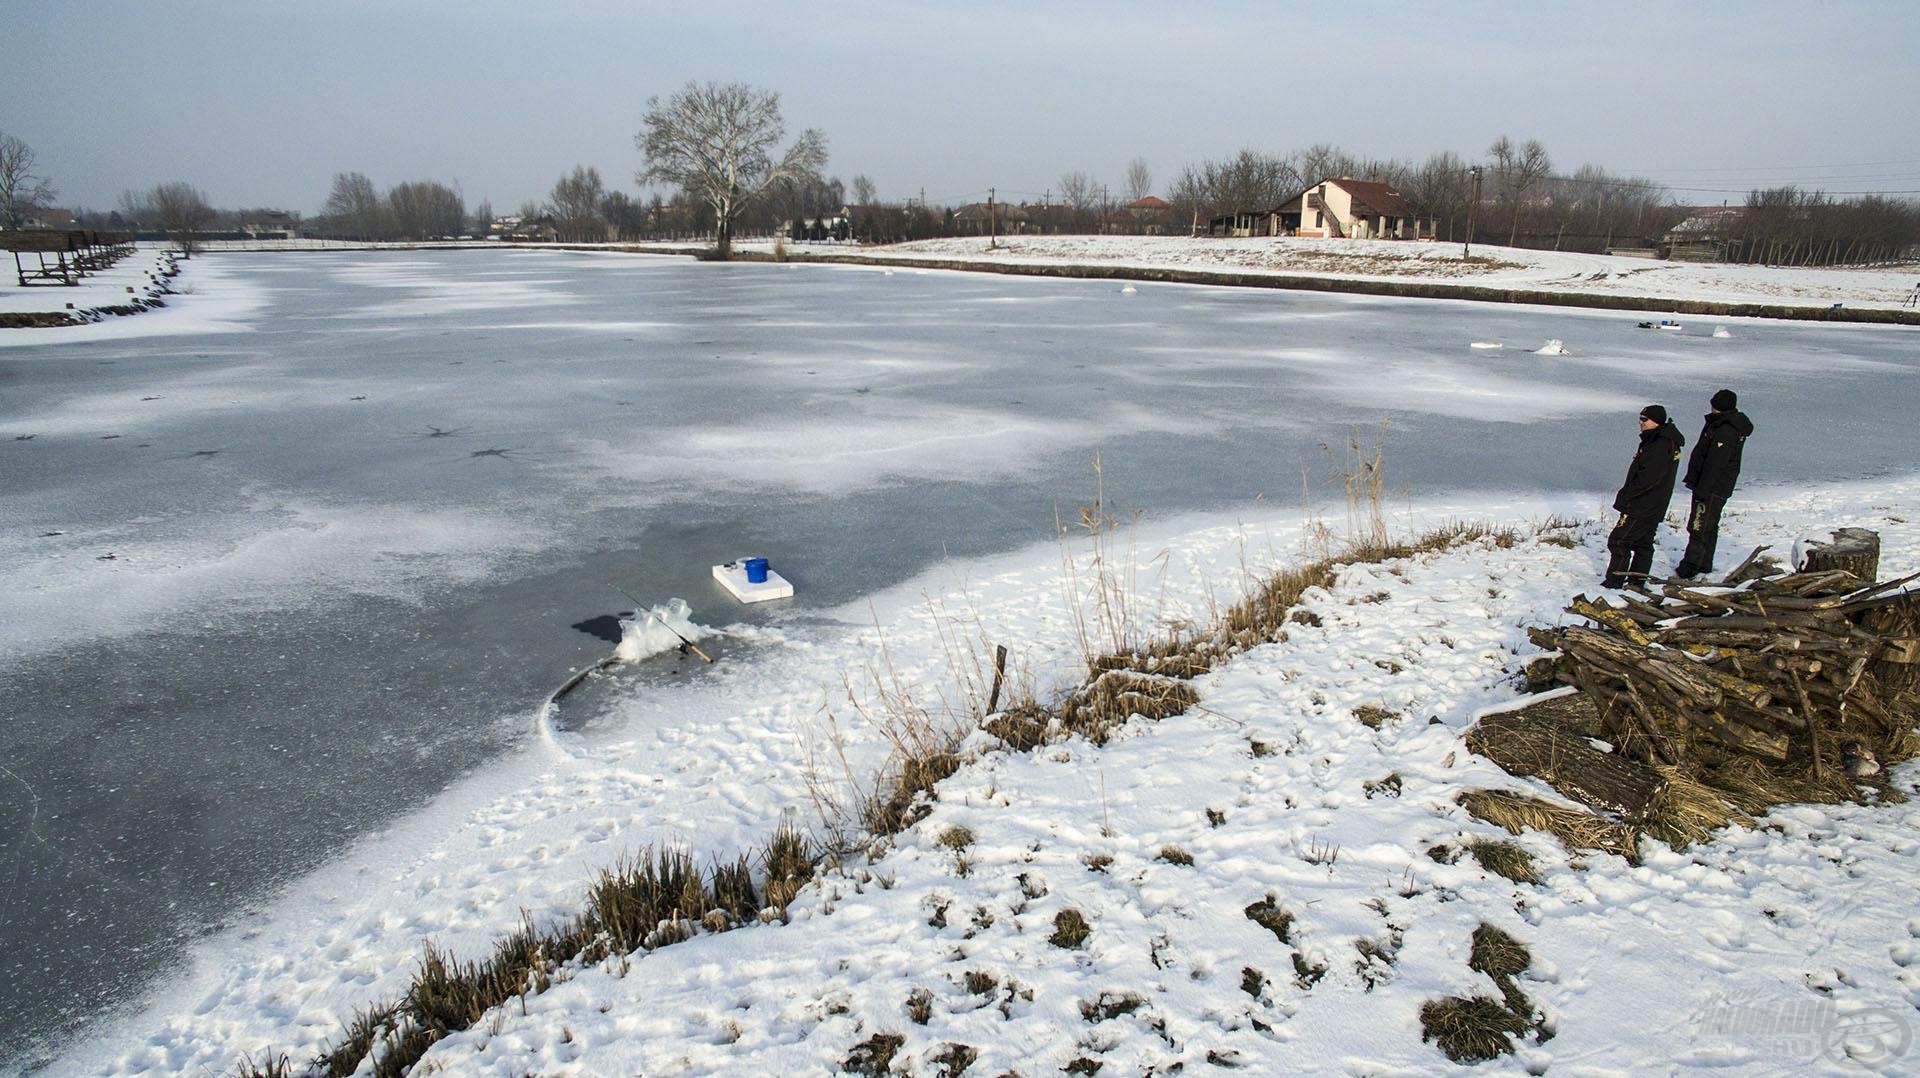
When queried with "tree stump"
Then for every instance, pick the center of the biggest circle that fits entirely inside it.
(1557, 754)
(1854, 550)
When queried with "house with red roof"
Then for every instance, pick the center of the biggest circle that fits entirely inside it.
(1356, 209)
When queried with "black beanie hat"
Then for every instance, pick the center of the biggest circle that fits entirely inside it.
(1725, 401)
(1654, 412)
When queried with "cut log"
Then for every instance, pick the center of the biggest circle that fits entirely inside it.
(1624, 622)
(1546, 749)
(1856, 550)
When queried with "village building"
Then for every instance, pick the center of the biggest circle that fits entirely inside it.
(1148, 216)
(1355, 209)
(981, 218)
(49, 218)
(271, 225)
(1704, 235)
(1342, 208)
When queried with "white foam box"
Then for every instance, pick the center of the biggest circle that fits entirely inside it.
(733, 577)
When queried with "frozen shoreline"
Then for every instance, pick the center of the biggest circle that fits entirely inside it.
(716, 767)
(1358, 267)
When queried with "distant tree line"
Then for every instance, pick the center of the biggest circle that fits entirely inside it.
(717, 150)
(1788, 226)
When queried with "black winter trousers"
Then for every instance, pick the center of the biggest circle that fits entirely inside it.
(1703, 534)
(1631, 547)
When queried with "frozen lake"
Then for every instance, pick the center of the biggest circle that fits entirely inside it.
(265, 590)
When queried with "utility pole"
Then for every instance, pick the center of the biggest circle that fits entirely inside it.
(993, 223)
(1473, 202)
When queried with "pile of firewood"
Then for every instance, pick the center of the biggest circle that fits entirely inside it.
(1808, 673)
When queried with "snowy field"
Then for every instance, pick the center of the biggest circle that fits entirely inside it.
(1515, 268)
(1636, 967)
(362, 511)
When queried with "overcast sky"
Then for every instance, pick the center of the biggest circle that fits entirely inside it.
(259, 103)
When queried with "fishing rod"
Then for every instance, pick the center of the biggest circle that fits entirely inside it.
(655, 614)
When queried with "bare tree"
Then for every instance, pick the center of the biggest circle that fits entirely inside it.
(863, 192)
(1441, 187)
(1517, 170)
(628, 218)
(1079, 190)
(576, 200)
(21, 189)
(354, 205)
(483, 219)
(1139, 179)
(183, 212)
(424, 209)
(716, 142)
(1252, 181)
(1190, 193)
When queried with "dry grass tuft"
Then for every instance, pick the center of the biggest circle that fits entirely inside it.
(1174, 855)
(1689, 812)
(1070, 929)
(1497, 954)
(1386, 786)
(1373, 716)
(1023, 728)
(1470, 1030)
(1268, 914)
(1576, 829)
(267, 1066)
(1252, 981)
(952, 1059)
(645, 899)
(789, 863)
(1110, 1005)
(1503, 858)
(1109, 700)
(920, 1006)
(873, 1057)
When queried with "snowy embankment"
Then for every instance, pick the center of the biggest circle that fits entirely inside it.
(202, 297)
(1278, 795)
(1398, 262)
(134, 284)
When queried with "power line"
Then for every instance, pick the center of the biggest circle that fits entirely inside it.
(1780, 168)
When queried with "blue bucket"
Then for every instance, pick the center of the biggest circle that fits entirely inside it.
(756, 570)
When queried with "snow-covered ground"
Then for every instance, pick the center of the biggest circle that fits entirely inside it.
(1769, 950)
(134, 277)
(1514, 268)
(210, 300)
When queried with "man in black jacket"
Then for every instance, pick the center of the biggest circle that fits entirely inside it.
(1643, 498)
(1711, 472)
